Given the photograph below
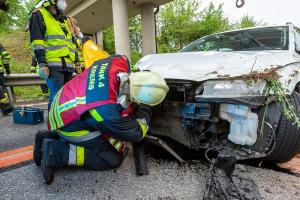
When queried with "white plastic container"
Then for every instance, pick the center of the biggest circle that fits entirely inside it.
(243, 123)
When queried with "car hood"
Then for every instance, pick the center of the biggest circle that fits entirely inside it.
(200, 66)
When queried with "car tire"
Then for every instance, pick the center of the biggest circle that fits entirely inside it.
(287, 136)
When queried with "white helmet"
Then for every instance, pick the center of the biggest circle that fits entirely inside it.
(147, 88)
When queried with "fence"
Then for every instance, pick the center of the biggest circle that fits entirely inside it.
(21, 80)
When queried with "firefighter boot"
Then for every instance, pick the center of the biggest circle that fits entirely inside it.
(47, 161)
(37, 150)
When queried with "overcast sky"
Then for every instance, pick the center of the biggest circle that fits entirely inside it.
(270, 11)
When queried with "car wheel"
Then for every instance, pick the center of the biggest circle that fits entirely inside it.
(287, 136)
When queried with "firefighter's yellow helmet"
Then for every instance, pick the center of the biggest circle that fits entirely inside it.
(147, 88)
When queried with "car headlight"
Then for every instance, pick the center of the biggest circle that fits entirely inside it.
(233, 89)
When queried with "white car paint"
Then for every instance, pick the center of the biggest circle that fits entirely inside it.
(213, 65)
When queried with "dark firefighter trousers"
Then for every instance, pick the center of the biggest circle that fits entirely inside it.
(98, 154)
(2, 88)
(55, 81)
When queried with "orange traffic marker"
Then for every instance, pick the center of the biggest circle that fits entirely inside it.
(16, 156)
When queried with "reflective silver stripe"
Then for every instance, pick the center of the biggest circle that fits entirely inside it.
(84, 138)
(60, 64)
(38, 47)
(69, 40)
(73, 50)
(56, 47)
(72, 155)
(54, 37)
(54, 64)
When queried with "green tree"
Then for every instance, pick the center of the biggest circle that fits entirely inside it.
(212, 20)
(17, 16)
(109, 40)
(249, 21)
(135, 33)
(181, 22)
(176, 23)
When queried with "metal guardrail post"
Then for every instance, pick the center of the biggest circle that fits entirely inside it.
(11, 94)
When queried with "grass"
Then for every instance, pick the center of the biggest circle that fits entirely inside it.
(280, 95)
(29, 93)
(18, 45)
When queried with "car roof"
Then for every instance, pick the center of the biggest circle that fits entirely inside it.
(259, 27)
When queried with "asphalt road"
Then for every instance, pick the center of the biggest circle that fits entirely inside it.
(15, 135)
(167, 180)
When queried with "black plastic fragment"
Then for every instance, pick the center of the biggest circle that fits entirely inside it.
(141, 166)
(227, 181)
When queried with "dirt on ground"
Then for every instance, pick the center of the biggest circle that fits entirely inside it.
(293, 165)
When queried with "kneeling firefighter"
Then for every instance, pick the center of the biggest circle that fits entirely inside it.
(89, 120)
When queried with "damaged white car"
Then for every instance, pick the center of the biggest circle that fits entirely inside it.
(222, 93)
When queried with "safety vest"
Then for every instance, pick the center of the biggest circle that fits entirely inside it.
(56, 43)
(94, 87)
(4, 58)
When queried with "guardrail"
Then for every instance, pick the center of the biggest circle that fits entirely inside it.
(21, 80)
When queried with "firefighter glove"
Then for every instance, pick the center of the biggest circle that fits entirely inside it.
(144, 112)
(44, 71)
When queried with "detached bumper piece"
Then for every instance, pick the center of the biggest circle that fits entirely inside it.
(227, 181)
(141, 166)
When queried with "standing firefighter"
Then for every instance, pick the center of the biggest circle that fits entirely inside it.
(89, 118)
(4, 66)
(52, 43)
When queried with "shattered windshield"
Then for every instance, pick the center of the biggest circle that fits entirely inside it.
(269, 38)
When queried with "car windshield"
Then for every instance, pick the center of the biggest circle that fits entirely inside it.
(269, 38)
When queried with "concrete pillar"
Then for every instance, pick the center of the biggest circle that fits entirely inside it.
(120, 17)
(99, 36)
(148, 29)
(94, 38)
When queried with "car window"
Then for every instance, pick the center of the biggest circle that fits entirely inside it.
(269, 38)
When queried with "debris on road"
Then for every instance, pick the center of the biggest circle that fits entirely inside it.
(228, 181)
